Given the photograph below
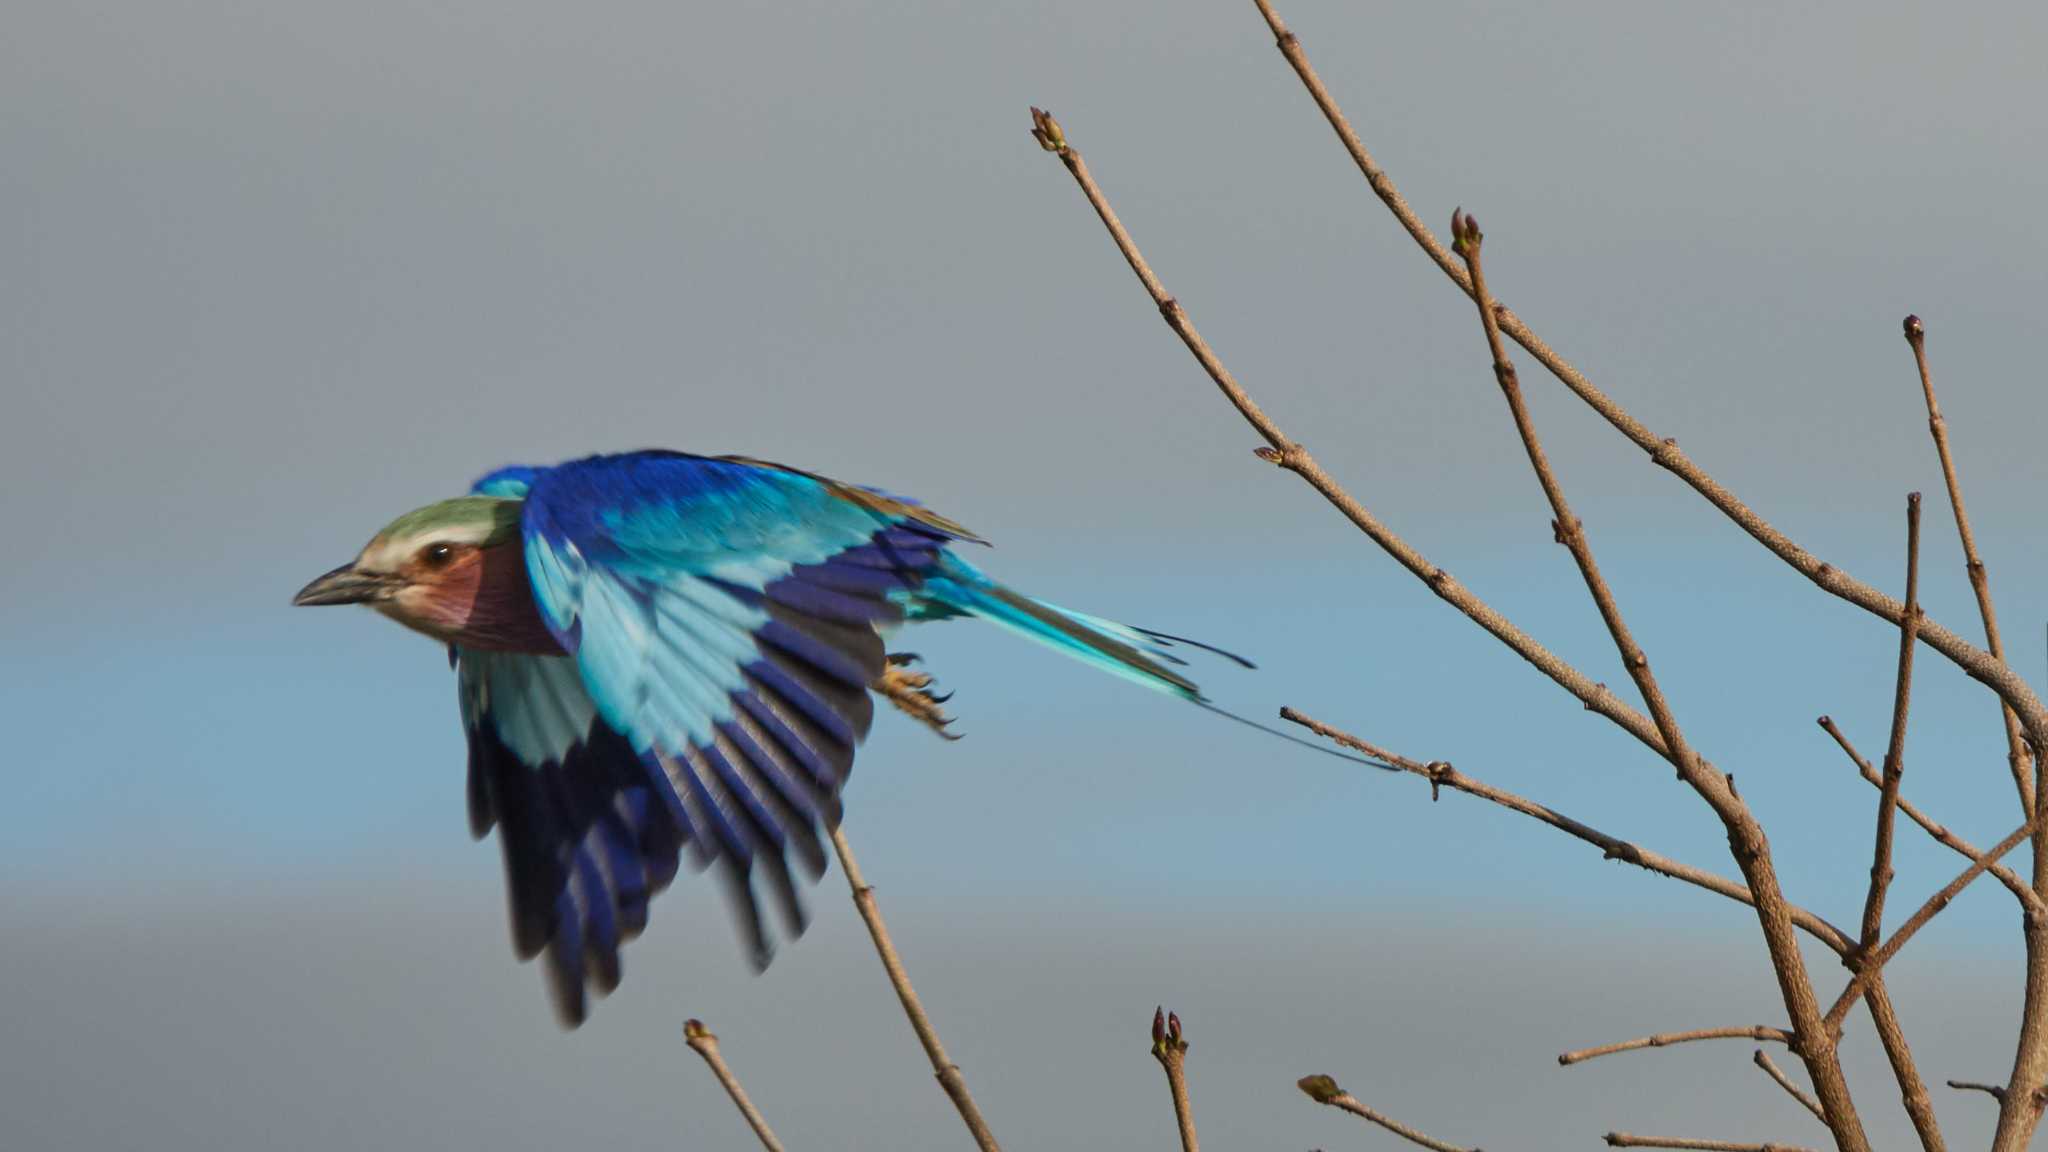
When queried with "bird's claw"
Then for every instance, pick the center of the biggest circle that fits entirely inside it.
(911, 693)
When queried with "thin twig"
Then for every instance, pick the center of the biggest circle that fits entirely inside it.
(1630, 1140)
(1324, 1090)
(1441, 774)
(1667, 1039)
(1805, 1098)
(1980, 580)
(1895, 750)
(1874, 961)
(705, 1043)
(1996, 1092)
(1746, 840)
(1939, 831)
(1171, 1050)
(948, 1073)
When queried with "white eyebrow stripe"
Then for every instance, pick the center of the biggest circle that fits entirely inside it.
(389, 555)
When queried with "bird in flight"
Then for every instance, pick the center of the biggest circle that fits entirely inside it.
(662, 655)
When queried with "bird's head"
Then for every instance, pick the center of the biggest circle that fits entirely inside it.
(433, 569)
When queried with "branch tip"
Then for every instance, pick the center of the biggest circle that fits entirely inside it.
(1319, 1088)
(1171, 1050)
(703, 1042)
(1046, 131)
(1465, 233)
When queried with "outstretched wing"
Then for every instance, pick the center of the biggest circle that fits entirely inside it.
(586, 842)
(722, 618)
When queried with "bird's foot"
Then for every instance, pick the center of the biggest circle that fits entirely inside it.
(912, 693)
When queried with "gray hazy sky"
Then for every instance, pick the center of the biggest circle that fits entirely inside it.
(279, 272)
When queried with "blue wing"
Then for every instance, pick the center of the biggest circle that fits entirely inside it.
(586, 844)
(720, 621)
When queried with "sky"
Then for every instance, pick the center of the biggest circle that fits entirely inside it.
(278, 273)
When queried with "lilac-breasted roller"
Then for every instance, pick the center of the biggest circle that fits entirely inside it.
(660, 653)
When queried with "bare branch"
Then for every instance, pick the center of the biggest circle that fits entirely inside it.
(1630, 1140)
(1895, 750)
(2030, 1062)
(1324, 1090)
(1935, 828)
(1441, 774)
(1664, 452)
(1815, 1043)
(705, 1043)
(1171, 1051)
(1875, 961)
(1805, 1098)
(1285, 453)
(1772, 910)
(1746, 840)
(1667, 1039)
(1980, 580)
(948, 1073)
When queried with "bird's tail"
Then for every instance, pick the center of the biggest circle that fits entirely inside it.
(1136, 654)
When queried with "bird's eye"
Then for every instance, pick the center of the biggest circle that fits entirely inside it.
(437, 555)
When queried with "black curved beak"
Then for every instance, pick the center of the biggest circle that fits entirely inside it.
(345, 585)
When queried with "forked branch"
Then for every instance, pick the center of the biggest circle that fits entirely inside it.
(1746, 840)
(1941, 833)
(1284, 452)
(1980, 580)
(1441, 774)
(1773, 911)
(1870, 964)
(1978, 663)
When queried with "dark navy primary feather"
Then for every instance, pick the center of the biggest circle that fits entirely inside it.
(720, 622)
